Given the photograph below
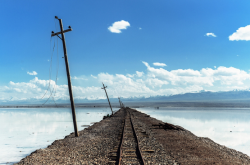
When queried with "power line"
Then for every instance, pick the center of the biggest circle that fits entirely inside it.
(51, 58)
(51, 64)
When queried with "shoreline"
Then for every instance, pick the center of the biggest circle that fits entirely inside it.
(137, 105)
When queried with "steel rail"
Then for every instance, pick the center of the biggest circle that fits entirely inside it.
(136, 139)
(120, 147)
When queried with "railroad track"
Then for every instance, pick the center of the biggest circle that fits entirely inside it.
(129, 150)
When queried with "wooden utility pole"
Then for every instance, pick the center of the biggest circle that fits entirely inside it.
(120, 102)
(68, 73)
(122, 105)
(104, 87)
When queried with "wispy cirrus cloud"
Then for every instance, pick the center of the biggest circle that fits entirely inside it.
(118, 26)
(32, 73)
(210, 35)
(243, 33)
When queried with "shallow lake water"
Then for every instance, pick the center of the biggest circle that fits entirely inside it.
(24, 130)
(227, 126)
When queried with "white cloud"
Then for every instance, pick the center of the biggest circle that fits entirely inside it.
(215, 67)
(118, 26)
(130, 75)
(243, 33)
(78, 78)
(159, 64)
(36, 88)
(210, 35)
(206, 77)
(140, 28)
(139, 74)
(153, 81)
(32, 73)
(186, 72)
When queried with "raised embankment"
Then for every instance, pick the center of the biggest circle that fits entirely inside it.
(132, 137)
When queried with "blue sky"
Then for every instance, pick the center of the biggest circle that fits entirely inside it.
(190, 37)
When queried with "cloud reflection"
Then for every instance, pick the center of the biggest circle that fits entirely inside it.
(26, 130)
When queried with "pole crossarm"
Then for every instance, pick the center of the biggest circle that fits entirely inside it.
(65, 31)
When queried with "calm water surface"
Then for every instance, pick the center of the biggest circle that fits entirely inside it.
(227, 126)
(23, 131)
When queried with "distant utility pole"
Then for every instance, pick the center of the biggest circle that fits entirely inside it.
(67, 69)
(120, 102)
(104, 87)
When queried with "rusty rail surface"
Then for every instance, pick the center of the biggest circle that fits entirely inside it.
(137, 140)
(120, 147)
(124, 133)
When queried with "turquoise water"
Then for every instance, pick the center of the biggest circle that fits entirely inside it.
(23, 131)
(227, 126)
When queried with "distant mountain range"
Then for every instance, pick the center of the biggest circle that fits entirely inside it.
(235, 95)
(202, 96)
